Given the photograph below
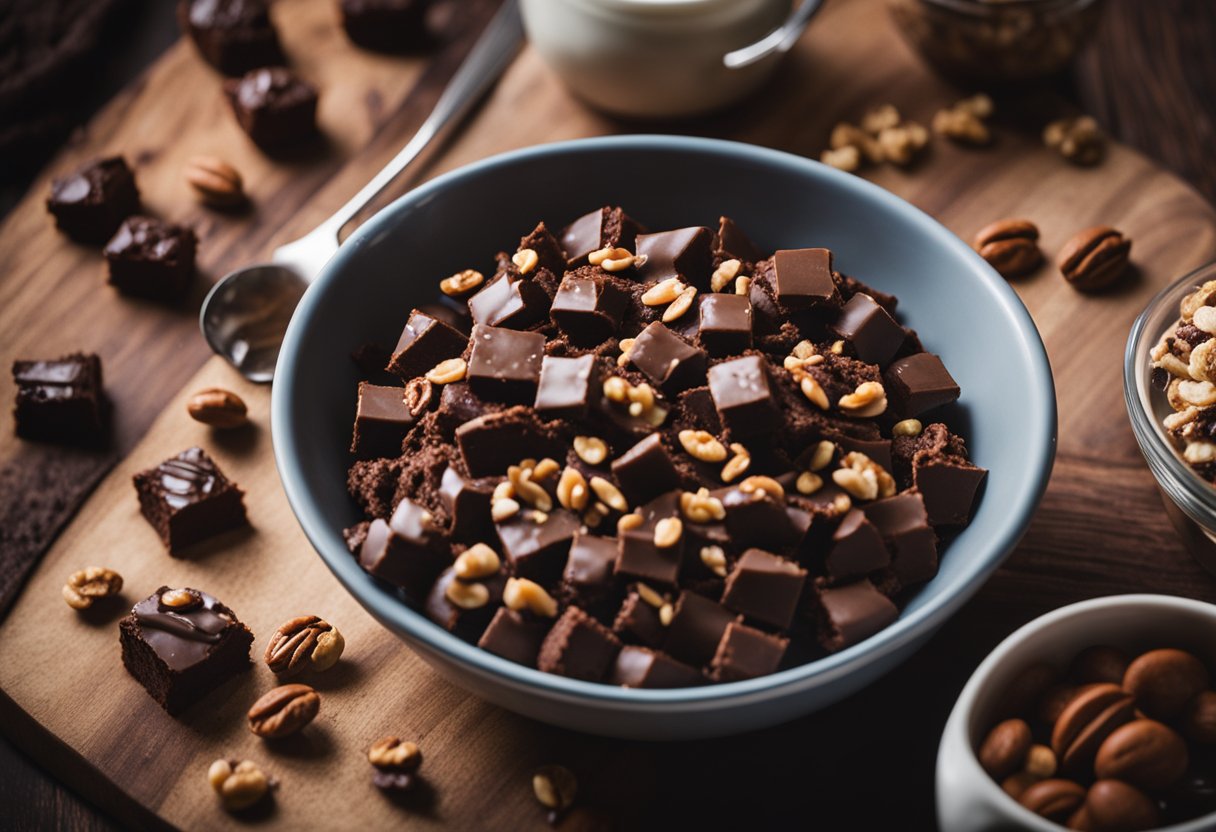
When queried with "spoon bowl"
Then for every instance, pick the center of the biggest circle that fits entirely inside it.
(245, 315)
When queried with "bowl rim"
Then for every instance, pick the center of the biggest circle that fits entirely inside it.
(387, 607)
(965, 705)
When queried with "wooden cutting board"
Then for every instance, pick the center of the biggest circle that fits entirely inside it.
(867, 761)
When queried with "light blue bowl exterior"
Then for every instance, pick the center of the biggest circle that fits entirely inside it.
(964, 310)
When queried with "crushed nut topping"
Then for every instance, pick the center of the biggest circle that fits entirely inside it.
(590, 449)
(702, 445)
(467, 596)
(714, 558)
(476, 562)
(609, 493)
(447, 372)
(647, 594)
(525, 260)
(727, 271)
(907, 427)
(808, 483)
(522, 594)
(763, 486)
(668, 531)
(680, 305)
(738, 464)
(822, 458)
(701, 507)
(663, 292)
(867, 401)
(461, 283)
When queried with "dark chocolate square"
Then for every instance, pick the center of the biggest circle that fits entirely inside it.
(567, 386)
(765, 587)
(590, 564)
(234, 36)
(149, 258)
(491, 443)
(579, 647)
(745, 653)
(381, 421)
(465, 622)
(601, 228)
(408, 551)
(948, 488)
(667, 359)
(852, 613)
(188, 499)
(758, 517)
(587, 309)
(876, 336)
(696, 628)
(468, 505)
(179, 654)
(509, 301)
(857, 549)
(505, 364)
(273, 106)
(639, 557)
(683, 252)
(726, 324)
(386, 25)
(425, 341)
(90, 203)
(514, 636)
(741, 393)
(645, 471)
(904, 525)
(639, 621)
(538, 551)
(802, 278)
(61, 400)
(919, 383)
(640, 667)
(730, 243)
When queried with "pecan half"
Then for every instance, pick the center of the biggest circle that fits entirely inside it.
(1094, 258)
(1010, 246)
(304, 643)
(283, 711)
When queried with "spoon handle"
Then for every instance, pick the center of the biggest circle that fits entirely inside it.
(486, 61)
(780, 39)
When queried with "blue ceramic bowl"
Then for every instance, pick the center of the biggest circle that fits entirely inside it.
(963, 310)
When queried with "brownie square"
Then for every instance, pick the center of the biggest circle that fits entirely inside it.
(514, 636)
(765, 587)
(382, 420)
(89, 204)
(425, 341)
(150, 258)
(579, 647)
(640, 667)
(745, 653)
(385, 25)
(61, 400)
(234, 36)
(181, 644)
(406, 551)
(273, 106)
(188, 499)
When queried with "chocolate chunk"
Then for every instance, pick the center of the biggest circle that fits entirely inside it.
(587, 309)
(466, 623)
(758, 517)
(538, 550)
(731, 243)
(505, 364)
(741, 393)
(697, 411)
(857, 549)
(919, 383)
(696, 629)
(639, 621)
(878, 450)
(852, 613)
(802, 278)
(89, 204)
(646, 470)
(514, 636)
(904, 525)
(589, 567)
(188, 499)
(458, 404)
(181, 653)
(579, 647)
(234, 36)
(567, 386)
(948, 488)
(876, 336)
(639, 557)
(424, 343)
(467, 503)
(61, 400)
(386, 25)
(273, 106)
(765, 587)
(726, 324)
(667, 359)
(549, 254)
(509, 301)
(684, 253)
(745, 653)
(407, 551)
(381, 421)
(640, 667)
(602, 228)
(149, 258)
(491, 443)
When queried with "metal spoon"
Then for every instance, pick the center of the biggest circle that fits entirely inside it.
(245, 315)
(780, 39)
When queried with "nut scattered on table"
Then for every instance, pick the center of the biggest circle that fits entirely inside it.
(1078, 139)
(218, 408)
(215, 182)
(304, 643)
(965, 121)
(1094, 258)
(396, 763)
(883, 135)
(90, 585)
(555, 787)
(239, 784)
(284, 711)
(1010, 246)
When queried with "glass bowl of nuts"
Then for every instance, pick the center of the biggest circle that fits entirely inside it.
(997, 41)
(1171, 399)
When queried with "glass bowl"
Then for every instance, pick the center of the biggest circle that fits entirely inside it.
(998, 41)
(1146, 407)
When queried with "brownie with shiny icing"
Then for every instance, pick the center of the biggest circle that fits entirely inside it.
(61, 400)
(91, 202)
(273, 106)
(188, 499)
(234, 36)
(150, 258)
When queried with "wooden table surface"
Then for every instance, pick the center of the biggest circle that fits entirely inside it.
(1121, 79)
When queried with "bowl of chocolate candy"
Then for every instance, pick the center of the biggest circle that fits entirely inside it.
(1099, 716)
(661, 437)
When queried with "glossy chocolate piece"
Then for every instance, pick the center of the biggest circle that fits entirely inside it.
(904, 525)
(549, 253)
(425, 341)
(725, 326)
(919, 383)
(468, 624)
(234, 36)
(589, 567)
(273, 106)
(878, 450)
(852, 613)
(579, 647)
(641, 667)
(765, 587)
(857, 549)
(538, 551)
(91, 202)
(514, 636)
(61, 400)
(698, 411)
(467, 503)
(492, 443)
(696, 629)
(638, 621)
(948, 488)
(876, 336)
(741, 393)
(802, 278)
(667, 359)
(745, 653)
(645, 471)
(758, 518)
(567, 387)
(639, 557)
(179, 654)
(381, 421)
(505, 364)
(730, 243)
(603, 228)
(587, 309)
(149, 258)
(386, 25)
(407, 551)
(683, 252)
(509, 301)
(187, 499)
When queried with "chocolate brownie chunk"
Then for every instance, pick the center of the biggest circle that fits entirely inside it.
(386, 25)
(745, 653)
(578, 646)
(188, 499)
(89, 204)
(61, 400)
(515, 636)
(640, 667)
(234, 36)
(273, 106)
(150, 258)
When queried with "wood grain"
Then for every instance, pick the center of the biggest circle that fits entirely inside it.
(867, 761)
